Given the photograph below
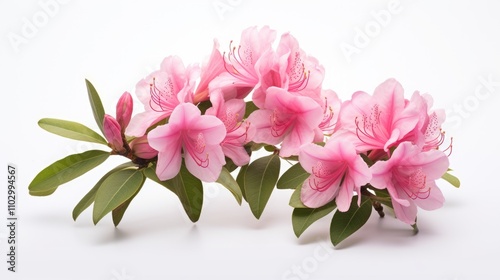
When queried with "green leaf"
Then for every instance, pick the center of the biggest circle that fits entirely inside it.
(96, 104)
(227, 180)
(118, 212)
(293, 177)
(345, 224)
(204, 105)
(72, 130)
(260, 178)
(115, 190)
(302, 218)
(454, 181)
(150, 173)
(295, 201)
(189, 189)
(89, 198)
(65, 170)
(240, 179)
(249, 108)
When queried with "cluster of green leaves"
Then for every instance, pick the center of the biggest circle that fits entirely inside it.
(118, 187)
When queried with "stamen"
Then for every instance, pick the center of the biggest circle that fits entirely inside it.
(236, 66)
(326, 177)
(279, 124)
(413, 184)
(196, 149)
(162, 98)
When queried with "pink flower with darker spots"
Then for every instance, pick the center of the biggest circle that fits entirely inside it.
(410, 177)
(192, 135)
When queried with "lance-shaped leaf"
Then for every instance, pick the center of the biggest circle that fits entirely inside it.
(295, 201)
(89, 198)
(227, 180)
(293, 177)
(118, 212)
(72, 130)
(345, 224)
(96, 104)
(240, 179)
(115, 190)
(150, 173)
(302, 218)
(188, 189)
(65, 170)
(259, 181)
(454, 181)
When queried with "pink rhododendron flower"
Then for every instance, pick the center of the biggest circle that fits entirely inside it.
(292, 70)
(124, 109)
(379, 121)
(196, 137)
(112, 132)
(161, 92)
(245, 63)
(231, 113)
(409, 176)
(287, 118)
(336, 172)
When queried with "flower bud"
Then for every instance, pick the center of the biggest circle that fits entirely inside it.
(124, 110)
(112, 132)
(141, 148)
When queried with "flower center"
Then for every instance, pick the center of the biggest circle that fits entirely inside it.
(162, 96)
(239, 63)
(325, 177)
(280, 123)
(196, 147)
(299, 77)
(413, 181)
(369, 130)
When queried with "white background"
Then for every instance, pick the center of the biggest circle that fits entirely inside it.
(448, 49)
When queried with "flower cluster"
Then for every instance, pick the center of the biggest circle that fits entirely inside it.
(202, 122)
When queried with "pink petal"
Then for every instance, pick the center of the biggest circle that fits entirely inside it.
(211, 127)
(434, 201)
(313, 198)
(140, 123)
(211, 172)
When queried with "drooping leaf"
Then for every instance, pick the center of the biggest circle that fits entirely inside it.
(89, 198)
(240, 179)
(260, 178)
(72, 130)
(65, 170)
(295, 201)
(454, 181)
(96, 104)
(150, 173)
(344, 224)
(115, 190)
(118, 212)
(293, 177)
(227, 180)
(302, 218)
(189, 189)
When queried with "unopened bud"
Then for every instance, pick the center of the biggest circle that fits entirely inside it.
(124, 110)
(112, 132)
(141, 148)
